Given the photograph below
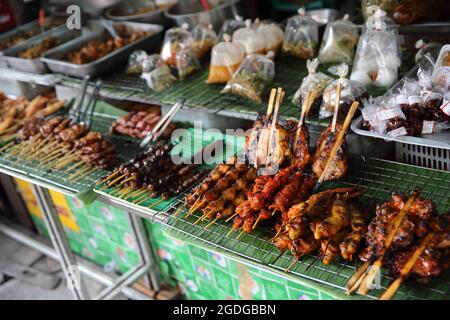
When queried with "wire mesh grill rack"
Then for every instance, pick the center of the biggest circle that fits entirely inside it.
(380, 177)
(125, 148)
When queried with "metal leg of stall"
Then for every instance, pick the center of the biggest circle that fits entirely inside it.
(59, 241)
(147, 267)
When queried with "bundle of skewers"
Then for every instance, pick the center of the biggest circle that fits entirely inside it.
(14, 113)
(153, 172)
(409, 238)
(64, 143)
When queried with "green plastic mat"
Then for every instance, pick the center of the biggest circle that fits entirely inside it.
(81, 187)
(380, 177)
(188, 142)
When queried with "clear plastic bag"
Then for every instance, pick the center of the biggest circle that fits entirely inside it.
(441, 80)
(251, 38)
(273, 35)
(253, 77)
(367, 7)
(339, 42)
(175, 40)
(301, 36)
(230, 26)
(160, 78)
(369, 112)
(350, 91)
(226, 57)
(313, 81)
(139, 61)
(378, 55)
(203, 40)
(187, 62)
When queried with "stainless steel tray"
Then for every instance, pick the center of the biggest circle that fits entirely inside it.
(439, 140)
(56, 58)
(29, 27)
(11, 55)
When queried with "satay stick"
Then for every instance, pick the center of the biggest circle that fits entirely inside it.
(116, 180)
(273, 95)
(73, 167)
(204, 215)
(156, 203)
(7, 146)
(142, 196)
(293, 263)
(279, 100)
(355, 281)
(84, 172)
(370, 275)
(256, 222)
(240, 235)
(231, 230)
(231, 217)
(211, 223)
(406, 270)
(336, 106)
(337, 143)
(178, 210)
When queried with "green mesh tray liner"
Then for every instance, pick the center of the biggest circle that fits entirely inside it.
(381, 177)
(81, 187)
(190, 143)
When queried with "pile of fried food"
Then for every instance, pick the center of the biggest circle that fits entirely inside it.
(15, 112)
(138, 124)
(36, 51)
(96, 49)
(152, 173)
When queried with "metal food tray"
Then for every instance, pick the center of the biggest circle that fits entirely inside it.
(379, 176)
(30, 26)
(56, 58)
(435, 140)
(11, 55)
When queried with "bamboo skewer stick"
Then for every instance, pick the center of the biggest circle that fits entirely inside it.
(114, 181)
(293, 264)
(80, 163)
(279, 100)
(406, 270)
(201, 218)
(112, 175)
(140, 197)
(85, 171)
(336, 106)
(7, 146)
(353, 283)
(231, 217)
(240, 235)
(256, 222)
(231, 231)
(273, 94)
(138, 192)
(367, 277)
(337, 144)
(211, 223)
(178, 211)
(196, 208)
(156, 203)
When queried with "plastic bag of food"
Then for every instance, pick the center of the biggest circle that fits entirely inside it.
(187, 62)
(160, 78)
(226, 57)
(203, 40)
(253, 77)
(441, 80)
(444, 57)
(350, 91)
(251, 38)
(175, 40)
(230, 26)
(378, 55)
(301, 36)
(313, 81)
(436, 107)
(367, 7)
(430, 126)
(139, 61)
(339, 42)
(273, 36)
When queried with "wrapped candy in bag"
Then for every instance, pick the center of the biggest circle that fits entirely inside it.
(339, 42)
(253, 77)
(226, 57)
(313, 81)
(301, 36)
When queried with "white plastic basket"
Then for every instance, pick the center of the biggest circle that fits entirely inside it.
(434, 158)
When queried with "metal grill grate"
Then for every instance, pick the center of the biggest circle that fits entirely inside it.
(125, 148)
(434, 158)
(381, 178)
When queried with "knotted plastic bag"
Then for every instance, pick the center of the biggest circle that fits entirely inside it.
(230, 26)
(378, 55)
(175, 40)
(253, 77)
(251, 38)
(273, 36)
(203, 40)
(160, 78)
(139, 61)
(301, 36)
(339, 42)
(226, 57)
(349, 92)
(313, 81)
